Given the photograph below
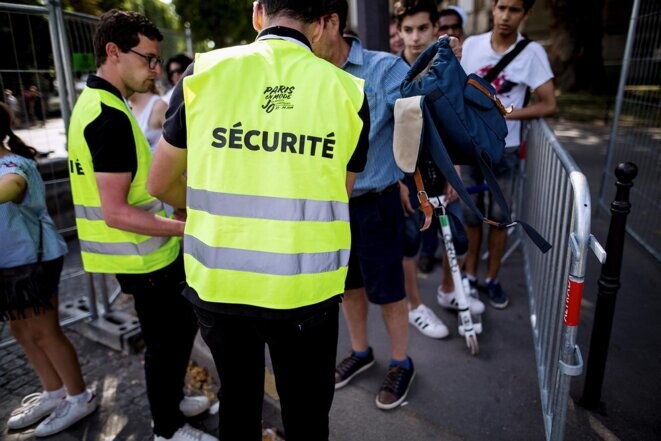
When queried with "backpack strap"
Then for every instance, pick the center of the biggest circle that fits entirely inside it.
(502, 64)
(444, 163)
(503, 111)
(425, 206)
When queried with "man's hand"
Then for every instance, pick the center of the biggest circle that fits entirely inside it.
(450, 194)
(455, 45)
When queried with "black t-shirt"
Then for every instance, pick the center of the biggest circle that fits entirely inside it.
(174, 132)
(110, 135)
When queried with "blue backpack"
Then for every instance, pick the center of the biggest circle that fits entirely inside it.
(462, 123)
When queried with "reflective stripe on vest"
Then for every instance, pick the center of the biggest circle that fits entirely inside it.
(96, 213)
(105, 249)
(264, 207)
(268, 216)
(263, 262)
(124, 248)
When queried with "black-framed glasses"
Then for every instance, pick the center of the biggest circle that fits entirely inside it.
(152, 61)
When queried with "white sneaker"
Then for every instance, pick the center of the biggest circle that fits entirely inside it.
(449, 301)
(187, 433)
(427, 322)
(34, 407)
(67, 413)
(192, 406)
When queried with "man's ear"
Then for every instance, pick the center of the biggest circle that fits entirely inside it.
(317, 29)
(257, 16)
(112, 52)
(328, 23)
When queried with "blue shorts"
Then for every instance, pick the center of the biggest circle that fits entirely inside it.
(413, 235)
(504, 172)
(377, 245)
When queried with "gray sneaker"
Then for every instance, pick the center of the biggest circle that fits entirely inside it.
(34, 408)
(66, 414)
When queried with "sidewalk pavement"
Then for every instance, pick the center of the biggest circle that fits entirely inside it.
(455, 396)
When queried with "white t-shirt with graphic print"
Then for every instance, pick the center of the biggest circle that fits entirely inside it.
(530, 68)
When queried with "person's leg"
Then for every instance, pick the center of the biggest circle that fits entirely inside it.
(497, 240)
(474, 233)
(381, 253)
(430, 240)
(355, 307)
(50, 352)
(237, 347)
(412, 239)
(411, 282)
(472, 177)
(303, 352)
(168, 327)
(48, 376)
(395, 316)
(50, 341)
(505, 172)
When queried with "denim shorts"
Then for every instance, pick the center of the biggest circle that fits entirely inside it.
(413, 235)
(377, 245)
(505, 171)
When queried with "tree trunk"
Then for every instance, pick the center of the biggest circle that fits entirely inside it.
(576, 50)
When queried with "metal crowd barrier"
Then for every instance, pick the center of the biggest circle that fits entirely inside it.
(555, 199)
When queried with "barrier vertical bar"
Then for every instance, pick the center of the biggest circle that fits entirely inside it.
(626, 61)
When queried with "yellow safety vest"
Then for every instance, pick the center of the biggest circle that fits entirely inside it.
(105, 249)
(270, 130)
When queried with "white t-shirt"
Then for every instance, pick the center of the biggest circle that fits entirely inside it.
(530, 68)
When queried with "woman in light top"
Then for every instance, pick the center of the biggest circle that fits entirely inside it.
(149, 110)
(30, 267)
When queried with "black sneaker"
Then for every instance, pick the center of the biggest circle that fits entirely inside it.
(352, 366)
(497, 297)
(395, 387)
(426, 264)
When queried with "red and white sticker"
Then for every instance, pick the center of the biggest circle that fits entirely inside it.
(573, 301)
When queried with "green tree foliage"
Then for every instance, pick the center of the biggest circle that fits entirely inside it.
(225, 22)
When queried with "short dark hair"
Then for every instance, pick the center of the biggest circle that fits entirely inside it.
(122, 28)
(181, 59)
(306, 11)
(449, 11)
(527, 4)
(339, 7)
(406, 8)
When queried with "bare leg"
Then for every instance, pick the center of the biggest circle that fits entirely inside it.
(44, 369)
(355, 306)
(411, 282)
(395, 315)
(474, 233)
(497, 244)
(45, 332)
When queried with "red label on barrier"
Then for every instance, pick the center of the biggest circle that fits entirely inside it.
(573, 302)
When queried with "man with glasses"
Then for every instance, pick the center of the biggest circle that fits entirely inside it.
(121, 228)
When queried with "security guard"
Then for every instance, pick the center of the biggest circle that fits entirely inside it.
(271, 138)
(122, 229)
